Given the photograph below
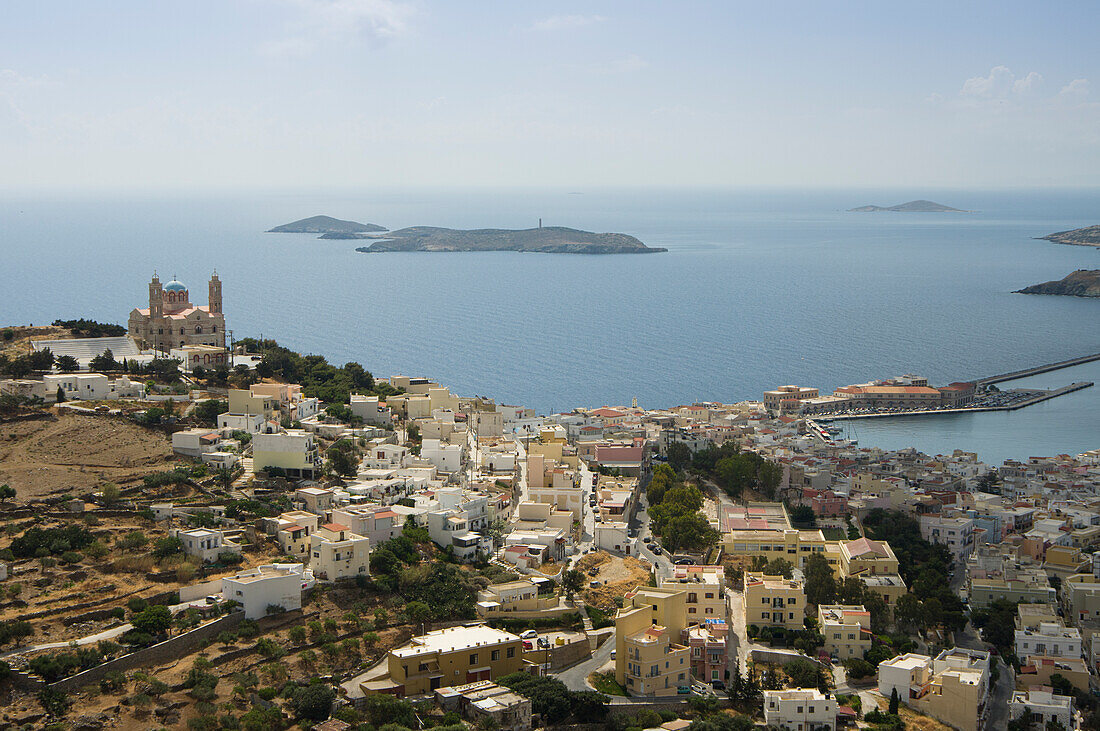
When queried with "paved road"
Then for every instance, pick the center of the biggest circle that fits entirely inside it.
(574, 677)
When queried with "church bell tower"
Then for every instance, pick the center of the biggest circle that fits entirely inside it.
(215, 297)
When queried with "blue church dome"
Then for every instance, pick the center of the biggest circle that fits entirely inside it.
(175, 286)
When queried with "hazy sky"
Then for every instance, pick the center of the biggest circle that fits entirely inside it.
(299, 93)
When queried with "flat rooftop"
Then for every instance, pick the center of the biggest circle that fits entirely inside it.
(451, 639)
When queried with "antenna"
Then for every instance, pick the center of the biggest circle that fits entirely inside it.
(540, 221)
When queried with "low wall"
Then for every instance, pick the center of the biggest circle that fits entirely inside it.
(198, 591)
(170, 649)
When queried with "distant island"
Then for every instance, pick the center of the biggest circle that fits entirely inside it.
(1082, 283)
(1088, 236)
(547, 240)
(921, 206)
(325, 225)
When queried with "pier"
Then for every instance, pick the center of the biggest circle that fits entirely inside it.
(1037, 370)
(1040, 396)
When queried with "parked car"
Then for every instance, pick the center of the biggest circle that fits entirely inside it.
(718, 685)
(647, 539)
(593, 584)
(656, 549)
(529, 634)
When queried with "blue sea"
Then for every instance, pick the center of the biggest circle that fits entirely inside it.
(758, 289)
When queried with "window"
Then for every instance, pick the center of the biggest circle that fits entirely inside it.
(511, 652)
(495, 655)
(473, 658)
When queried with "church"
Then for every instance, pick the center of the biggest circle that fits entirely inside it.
(171, 321)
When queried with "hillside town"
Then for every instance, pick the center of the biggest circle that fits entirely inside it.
(210, 533)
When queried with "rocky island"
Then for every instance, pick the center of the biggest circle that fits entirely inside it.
(325, 225)
(1088, 236)
(546, 240)
(1082, 283)
(921, 206)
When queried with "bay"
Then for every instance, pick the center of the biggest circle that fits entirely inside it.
(759, 288)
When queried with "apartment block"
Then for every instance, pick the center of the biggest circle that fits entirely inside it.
(337, 553)
(454, 655)
(706, 591)
(800, 709)
(773, 601)
(953, 687)
(648, 662)
(846, 628)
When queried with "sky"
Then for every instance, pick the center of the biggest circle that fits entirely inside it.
(218, 94)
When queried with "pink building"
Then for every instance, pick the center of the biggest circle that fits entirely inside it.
(707, 649)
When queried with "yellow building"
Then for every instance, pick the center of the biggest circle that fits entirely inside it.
(647, 660)
(846, 628)
(875, 564)
(522, 595)
(773, 601)
(454, 656)
(293, 451)
(1081, 597)
(705, 587)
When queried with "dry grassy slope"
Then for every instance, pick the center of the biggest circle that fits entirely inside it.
(77, 451)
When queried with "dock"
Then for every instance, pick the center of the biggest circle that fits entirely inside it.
(1039, 397)
(1037, 370)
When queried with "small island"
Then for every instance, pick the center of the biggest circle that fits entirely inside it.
(921, 206)
(1088, 236)
(325, 225)
(1082, 283)
(546, 240)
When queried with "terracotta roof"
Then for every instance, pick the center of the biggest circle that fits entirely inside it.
(863, 546)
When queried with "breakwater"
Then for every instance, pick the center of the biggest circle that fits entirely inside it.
(1037, 398)
(1037, 370)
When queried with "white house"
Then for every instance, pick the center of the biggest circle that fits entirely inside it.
(612, 536)
(337, 553)
(1045, 706)
(447, 458)
(195, 442)
(1048, 638)
(92, 386)
(251, 423)
(206, 544)
(799, 708)
(370, 410)
(269, 585)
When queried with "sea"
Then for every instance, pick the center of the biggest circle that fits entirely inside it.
(759, 288)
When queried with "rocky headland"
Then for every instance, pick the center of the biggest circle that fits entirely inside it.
(1088, 236)
(1082, 283)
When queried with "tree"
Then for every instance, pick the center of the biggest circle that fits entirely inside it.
(341, 461)
(572, 581)
(893, 709)
(41, 360)
(908, 611)
(153, 620)
(60, 395)
(105, 361)
(802, 516)
(779, 567)
(111, 493)
(679, 456)
(207, 411)
(7, 492)
(67, 364)
(804, 674)
(820, 585)
(54, 702)
(418, 611)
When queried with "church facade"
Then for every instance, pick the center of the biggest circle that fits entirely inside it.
(171, 321)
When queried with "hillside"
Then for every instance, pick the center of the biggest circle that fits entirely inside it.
(547, 240)
(1082, 283)
(921, 206)
(1088, 236)
(325, 225)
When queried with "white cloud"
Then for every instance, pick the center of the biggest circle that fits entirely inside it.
(567, 22)
(321, 21)
(1027, 84)
(997, 84)
(626, 65)
(1077, 89)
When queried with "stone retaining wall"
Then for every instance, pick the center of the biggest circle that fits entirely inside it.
(170, 649)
